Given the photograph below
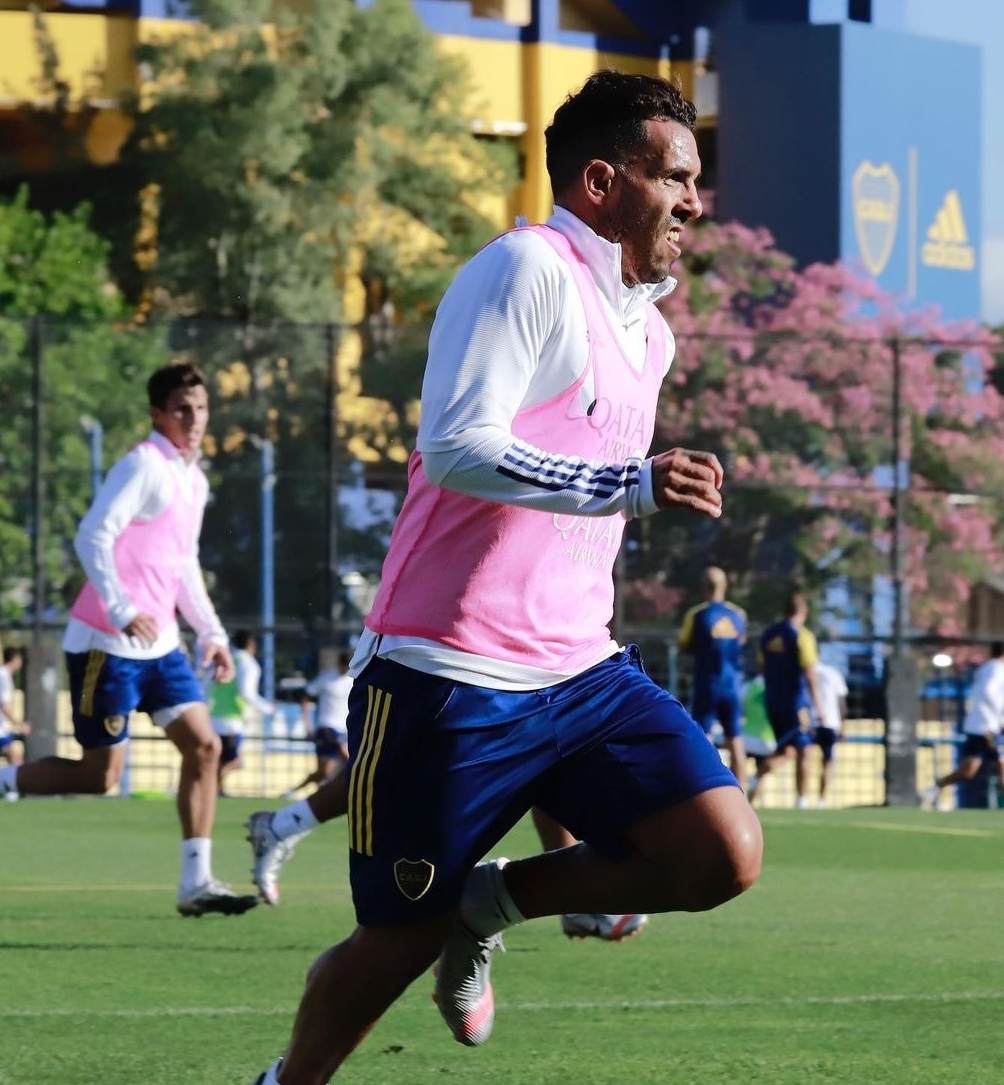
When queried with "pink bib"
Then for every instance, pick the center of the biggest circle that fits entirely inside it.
(516, 584)
(150, 557)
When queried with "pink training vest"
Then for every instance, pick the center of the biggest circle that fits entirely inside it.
(150, 557)
(516, 584)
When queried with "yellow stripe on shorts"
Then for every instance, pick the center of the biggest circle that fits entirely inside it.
(364, 771)
(95, 661)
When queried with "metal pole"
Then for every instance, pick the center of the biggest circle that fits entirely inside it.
(902, 678)
(331, 489)
(268, 567)
(96, 436)
(37, 485)
(896, 554)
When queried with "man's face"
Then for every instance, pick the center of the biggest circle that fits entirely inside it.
(183, 419)
(654, 195)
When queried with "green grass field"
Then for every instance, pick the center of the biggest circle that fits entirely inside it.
(869, 953)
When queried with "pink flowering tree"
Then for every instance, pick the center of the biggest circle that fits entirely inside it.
(788, 376)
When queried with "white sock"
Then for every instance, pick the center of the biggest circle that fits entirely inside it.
(486, 906)
(196, 861)
(294, 820)
(271, 1078)
(8, 778)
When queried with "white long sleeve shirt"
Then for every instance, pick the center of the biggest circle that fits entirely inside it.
(248, 679)
(511, 332)
(140, 487)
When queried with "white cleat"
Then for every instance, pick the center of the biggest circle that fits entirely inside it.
(608, 928)
(929, 797)
(213, 896)
(273, 1069)
(270, 853)
(463, 990)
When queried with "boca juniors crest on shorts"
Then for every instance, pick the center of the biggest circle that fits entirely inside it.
(413, 877)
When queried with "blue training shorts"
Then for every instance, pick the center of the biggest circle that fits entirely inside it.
(106, 689)
(792, 727)
(715, 706)
(441, 770)
(328, 743)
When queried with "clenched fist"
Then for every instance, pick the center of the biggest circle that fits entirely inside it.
(689, 479)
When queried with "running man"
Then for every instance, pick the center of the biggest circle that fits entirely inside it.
(12, 730)
(486, 678)
(714, 633)
(138, 545)
(329, 689)
(231, 703)
(788, 656)
(832, 689)
(981, 726)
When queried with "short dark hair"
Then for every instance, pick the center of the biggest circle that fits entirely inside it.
(164, 381)
(344, 659)
(605, 119)
(242, 638)
(997, 649)
(794, 603)
(12, 653)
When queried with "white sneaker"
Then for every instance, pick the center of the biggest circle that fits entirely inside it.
(273, 1070)
(608, 928)
(11, 796)
(213, 896)
(463, 990)
(270, 853)
(801, 803)
(929, 797)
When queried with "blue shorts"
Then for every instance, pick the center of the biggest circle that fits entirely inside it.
(981, 746)
(329, 743)
(711, 707)
(5, 740)
(791, 727)
(826, 739)
(230, 747)
(441, 770)
(106, 689)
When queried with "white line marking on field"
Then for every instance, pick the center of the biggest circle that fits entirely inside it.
(940, 998)
(883, 826)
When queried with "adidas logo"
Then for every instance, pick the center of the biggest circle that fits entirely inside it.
(947, 244)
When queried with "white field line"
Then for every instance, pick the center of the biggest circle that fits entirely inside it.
(882, 826)
(918, 998)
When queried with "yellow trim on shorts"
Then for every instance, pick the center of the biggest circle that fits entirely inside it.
(95, 661)
(363, 776)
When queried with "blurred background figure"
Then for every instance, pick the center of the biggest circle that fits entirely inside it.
(714, 633)
(328, 696)
(832, 690)
(11, 729)
(981, 726)
(232, 703)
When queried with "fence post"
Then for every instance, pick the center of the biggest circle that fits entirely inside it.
(902, 693)
(331, 463)
(42, 679)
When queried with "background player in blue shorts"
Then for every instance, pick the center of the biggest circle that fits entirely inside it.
(12, 729)
(788, 655)
(138, 545)
(714, 633)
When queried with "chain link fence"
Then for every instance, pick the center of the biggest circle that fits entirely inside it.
(864, 470)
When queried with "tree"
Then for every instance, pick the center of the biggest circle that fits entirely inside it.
(58, 303)
(308, 164)
(789, 374)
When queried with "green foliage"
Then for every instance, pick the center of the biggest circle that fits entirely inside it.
(58, 303)
(280, 151)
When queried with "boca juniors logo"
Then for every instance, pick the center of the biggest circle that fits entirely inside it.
(413, 877)
(875, 191)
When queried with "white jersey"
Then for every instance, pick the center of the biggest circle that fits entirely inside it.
(139, 487)
(331, 688)
(986, 700)
(831, 687)
(511, 332)
(6, 699)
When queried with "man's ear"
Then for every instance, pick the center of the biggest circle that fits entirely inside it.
(597, 179)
